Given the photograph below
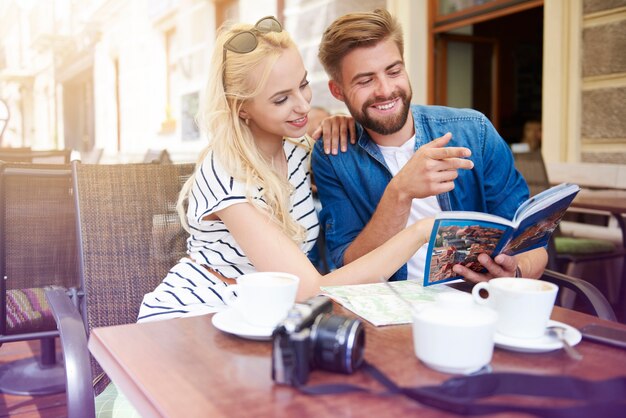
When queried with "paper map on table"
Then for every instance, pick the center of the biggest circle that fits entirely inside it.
(378, 305)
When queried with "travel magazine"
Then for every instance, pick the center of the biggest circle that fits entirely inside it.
(459, 237)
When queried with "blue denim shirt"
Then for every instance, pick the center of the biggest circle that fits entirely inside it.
(351, 184)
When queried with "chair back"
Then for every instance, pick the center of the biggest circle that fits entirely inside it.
(129, 236)
(533, 169)
(159, 156)
(592, 301)
(15, 150)
(92, 156)
(36, 156)
(38, 241)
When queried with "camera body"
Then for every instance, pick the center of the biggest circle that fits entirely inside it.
(311, 337)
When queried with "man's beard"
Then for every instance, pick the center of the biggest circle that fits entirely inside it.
(389, 125)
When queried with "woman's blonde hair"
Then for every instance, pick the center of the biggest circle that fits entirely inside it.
(229, 86)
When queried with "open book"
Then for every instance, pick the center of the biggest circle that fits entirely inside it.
(459, 237)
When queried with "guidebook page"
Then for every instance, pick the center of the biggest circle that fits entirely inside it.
(456, 241)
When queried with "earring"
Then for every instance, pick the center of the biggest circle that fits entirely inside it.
(247, 121)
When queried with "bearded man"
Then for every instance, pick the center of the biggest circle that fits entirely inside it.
(409, 161)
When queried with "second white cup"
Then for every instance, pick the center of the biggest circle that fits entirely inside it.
(264, 298)
(523, 305)
(454, 335)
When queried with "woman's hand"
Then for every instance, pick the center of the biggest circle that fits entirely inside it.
(424, 228)
(335, 131)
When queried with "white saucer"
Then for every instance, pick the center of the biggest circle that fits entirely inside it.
(542, 344)
(231, 322)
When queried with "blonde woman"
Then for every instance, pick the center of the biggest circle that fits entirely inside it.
(248, 207)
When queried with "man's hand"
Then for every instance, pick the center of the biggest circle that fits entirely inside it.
(335, 131)
(502, 266)
(432, 169)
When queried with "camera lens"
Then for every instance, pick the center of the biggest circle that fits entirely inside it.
(338, 343)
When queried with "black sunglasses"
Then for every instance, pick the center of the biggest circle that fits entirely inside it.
(247, 41)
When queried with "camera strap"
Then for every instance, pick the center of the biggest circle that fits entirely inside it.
(466, 395)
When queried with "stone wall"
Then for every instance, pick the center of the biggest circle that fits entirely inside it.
(603, 122)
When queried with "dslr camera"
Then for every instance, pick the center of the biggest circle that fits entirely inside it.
(311, 338)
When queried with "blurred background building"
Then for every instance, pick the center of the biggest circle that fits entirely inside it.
(125, 75)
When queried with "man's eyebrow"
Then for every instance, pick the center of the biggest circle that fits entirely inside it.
(371, 73)
(282, 92)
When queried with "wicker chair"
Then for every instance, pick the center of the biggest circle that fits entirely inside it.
(35, 156)
(37, 249)
(129, 237)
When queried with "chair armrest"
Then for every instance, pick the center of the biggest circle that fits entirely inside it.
(79, 389)
(593, 297)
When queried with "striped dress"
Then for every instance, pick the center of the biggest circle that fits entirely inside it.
(189, 288)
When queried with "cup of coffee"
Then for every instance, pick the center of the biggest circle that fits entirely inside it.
(263, 298)
(523, 305)
(455, 334)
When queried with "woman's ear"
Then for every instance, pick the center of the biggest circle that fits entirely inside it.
(243, 114)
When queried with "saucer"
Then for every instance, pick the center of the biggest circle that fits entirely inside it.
(231, 322)
(542, 344)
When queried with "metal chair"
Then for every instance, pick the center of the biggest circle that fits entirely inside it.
(37, 249)
(129, 236)
(590, 299)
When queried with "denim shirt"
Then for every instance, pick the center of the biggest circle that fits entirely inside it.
(351, 184)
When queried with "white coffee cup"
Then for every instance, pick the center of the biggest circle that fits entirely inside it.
(523, 305)
(454, 335)
(263, 298)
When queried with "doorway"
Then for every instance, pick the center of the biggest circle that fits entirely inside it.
(492, 64)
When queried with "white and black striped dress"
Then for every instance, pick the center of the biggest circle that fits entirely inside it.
(189, 288)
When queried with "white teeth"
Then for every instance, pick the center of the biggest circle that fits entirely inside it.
(387, 106)
(298, 120)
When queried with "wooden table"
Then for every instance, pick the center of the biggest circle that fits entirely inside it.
(187, 368)
(606, 200)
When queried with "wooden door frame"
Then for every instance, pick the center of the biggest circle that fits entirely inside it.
(440, 89)
(477, 14)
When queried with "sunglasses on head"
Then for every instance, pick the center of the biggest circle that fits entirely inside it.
(247, 41)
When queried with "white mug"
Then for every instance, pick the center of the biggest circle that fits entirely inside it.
(263, 298)
(454, 335)
(523, 305)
